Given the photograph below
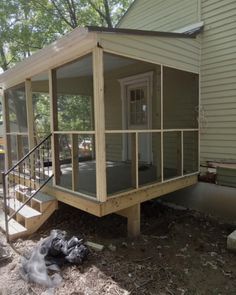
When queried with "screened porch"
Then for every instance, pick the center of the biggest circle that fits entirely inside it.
(150, 124)
(122, 107)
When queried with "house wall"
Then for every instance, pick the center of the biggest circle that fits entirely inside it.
(218, 81)
(177, 52)
(161, 15)
(218, 63)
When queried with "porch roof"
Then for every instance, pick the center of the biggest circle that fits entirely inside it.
(178, 50)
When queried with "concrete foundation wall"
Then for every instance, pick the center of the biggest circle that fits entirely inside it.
(219, 201)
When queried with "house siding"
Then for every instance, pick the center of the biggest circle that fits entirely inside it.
(218, 81)
(161, 15)
(180, 53)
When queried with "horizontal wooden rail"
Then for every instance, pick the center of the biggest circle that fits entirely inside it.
(149, 130)
(73, 132)
(17, 133)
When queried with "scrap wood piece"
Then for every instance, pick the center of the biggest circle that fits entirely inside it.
(143, 259)
(94, 246)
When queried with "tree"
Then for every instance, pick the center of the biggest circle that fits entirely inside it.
(23, 30)
(76, 13)
(28, 25)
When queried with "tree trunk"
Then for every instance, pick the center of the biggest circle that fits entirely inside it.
(4, 63)
(107, 13)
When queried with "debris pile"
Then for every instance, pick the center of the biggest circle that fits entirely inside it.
(51, 253)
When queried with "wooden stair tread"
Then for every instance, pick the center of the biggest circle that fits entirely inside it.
(40, 197)
(13, 226)
(26, 211)
(43, 198)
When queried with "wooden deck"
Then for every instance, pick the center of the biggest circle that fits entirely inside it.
(119, 177)
(122, 200)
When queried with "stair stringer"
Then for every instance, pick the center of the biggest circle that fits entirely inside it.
(38, 221)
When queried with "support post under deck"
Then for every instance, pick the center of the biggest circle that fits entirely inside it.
(133, 220)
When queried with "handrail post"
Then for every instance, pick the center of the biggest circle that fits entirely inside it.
(5, 204)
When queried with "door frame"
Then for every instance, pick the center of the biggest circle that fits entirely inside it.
(144, 78)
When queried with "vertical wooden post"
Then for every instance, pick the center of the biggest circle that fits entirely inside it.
(199, 118)
(99, 122)
(182, 153)
(162, 124)
(6, 128)
(92, 126)
(75, 161)
(30, 113)
(19, 144)
(54, 126)
(30, 121)
(134, 159)
(133, 219)
(179, 153)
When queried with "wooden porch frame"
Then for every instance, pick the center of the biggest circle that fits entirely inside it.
(54, 126)
(75, 45)
(99, 122)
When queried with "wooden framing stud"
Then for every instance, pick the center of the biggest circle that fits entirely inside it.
(54, 127)
(6, 126)
(30, 112)
(179, 154)
(134, 159)
(133, 220)
(75, 161)
(99, 122)
(19, 144)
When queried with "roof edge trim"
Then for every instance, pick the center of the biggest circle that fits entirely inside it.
(139, 32)
(191, 29)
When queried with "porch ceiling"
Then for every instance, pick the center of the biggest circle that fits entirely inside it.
(111, 62)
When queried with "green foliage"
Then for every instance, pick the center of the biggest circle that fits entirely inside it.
(28, 25)
(74, 112)
(41, 113)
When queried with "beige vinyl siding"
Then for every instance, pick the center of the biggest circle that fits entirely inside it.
(218, 81)
(181, 53)
(161, 15)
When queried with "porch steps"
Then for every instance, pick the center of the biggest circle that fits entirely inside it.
(26, 211)
(39, 202)
(31, 216)
(16, 230)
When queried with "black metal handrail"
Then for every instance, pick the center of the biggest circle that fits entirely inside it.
(33, 158)
(27, 155)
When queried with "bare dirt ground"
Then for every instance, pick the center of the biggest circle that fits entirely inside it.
(178, 252)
